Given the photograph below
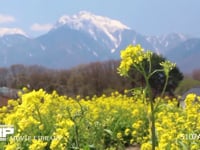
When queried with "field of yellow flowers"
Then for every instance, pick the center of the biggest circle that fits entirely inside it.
(45, 121)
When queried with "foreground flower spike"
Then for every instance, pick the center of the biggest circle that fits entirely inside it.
(135, 57)
(167, 66)
(132, 56)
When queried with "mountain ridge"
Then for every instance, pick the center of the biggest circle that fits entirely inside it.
(84, 38)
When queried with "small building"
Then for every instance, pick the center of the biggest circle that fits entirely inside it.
(6, 94)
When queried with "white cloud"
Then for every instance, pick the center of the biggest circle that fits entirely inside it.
(5, 31)
(41, 27)
(6, 18)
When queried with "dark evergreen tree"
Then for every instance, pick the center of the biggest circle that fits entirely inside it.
(157, 80)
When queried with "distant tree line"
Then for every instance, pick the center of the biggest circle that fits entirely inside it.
(96, 78)
(85, 80)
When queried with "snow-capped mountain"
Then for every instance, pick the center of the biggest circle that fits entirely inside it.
(19, 49)
(88, 21)
(11, 31)
(102, 29)
(9, 40)
(82, 38)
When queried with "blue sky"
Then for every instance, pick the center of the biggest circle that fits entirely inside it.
(149, 17)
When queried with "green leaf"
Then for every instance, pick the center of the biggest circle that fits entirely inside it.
(108, 131)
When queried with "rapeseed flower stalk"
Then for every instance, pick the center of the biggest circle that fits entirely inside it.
(134, 56)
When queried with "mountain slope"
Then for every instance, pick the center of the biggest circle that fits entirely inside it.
(65, 46)
(163, 43)
(186, 54)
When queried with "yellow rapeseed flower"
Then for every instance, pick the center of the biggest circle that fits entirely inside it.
(119, 135)
(127, 131)
(132, 56)
(146, 146)
(41, 127)
(37, 145)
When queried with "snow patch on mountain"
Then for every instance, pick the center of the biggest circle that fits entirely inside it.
(95, 54)
(78, 21)
(165, 42)
(42, 47)
(10, 31)
(94, 24)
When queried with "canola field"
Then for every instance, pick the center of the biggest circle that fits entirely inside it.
(45, 121)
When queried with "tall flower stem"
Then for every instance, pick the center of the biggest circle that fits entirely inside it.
(152, 115)
(165, 85)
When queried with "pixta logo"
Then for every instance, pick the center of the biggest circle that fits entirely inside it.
(5, 130)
